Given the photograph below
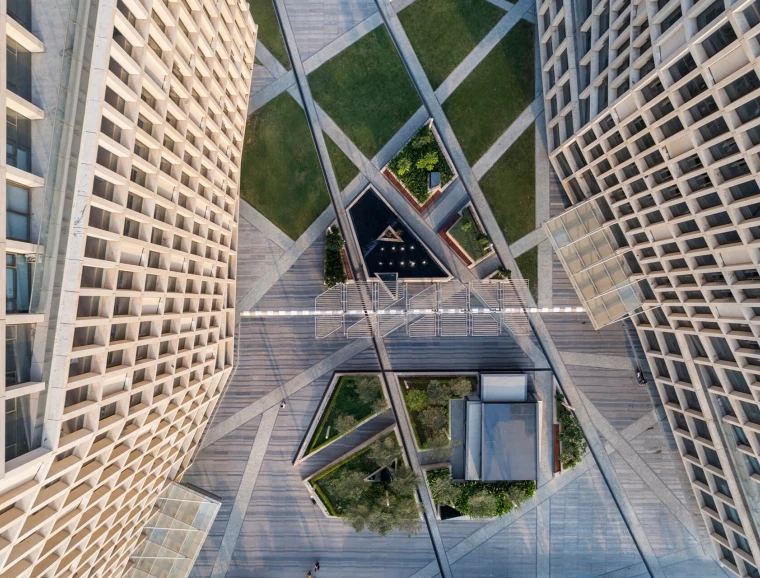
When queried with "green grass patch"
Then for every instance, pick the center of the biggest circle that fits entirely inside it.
(528, 264)
(416, 160)
(510, 187)
(353, 399)
(281, 175)
(367, 91)
(428, 406)
(269, 29)
(469, 236)
(443, 32)
(478, 499)
(345, 169)
(495, 94)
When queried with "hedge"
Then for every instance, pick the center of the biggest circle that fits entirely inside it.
(570, 436)
(335, 270)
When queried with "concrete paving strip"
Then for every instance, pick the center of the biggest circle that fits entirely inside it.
(271, 92)
(639, 466)
(244, 493)
(543, 539)
(285, 262)
(269, 61)
(342, 42)
(482, 50)
(508, 137)
(454, 198)
(545, 274)
(269, 229)
(527, 242)
(274, 397)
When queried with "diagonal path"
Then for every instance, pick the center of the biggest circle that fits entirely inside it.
(480, 51)
(447, 134)
(244, 493)
(508, 137)
(354, 255)
(267, 227)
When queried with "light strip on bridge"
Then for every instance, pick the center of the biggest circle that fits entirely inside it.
(474, 310)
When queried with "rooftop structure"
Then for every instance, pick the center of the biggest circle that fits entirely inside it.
(124, 131)
(502, 430)
(652, 116)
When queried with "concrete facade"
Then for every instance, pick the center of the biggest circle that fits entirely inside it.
(125, 126)
(652, 111)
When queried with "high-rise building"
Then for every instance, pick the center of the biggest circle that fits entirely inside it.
(653, 125)
(124, 125)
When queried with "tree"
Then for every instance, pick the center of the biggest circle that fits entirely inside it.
(416, 400)
(384, 451)
(404, 166)
(439, 446)
(349, 487)
(445, 490)
(482, 505)
(438, 391)
(434, 419)
(516, 494)
(466, 226)
(402, 513)
(428, 161)
(367, 389)
(460, 387)
(345, 422)
(404, 480)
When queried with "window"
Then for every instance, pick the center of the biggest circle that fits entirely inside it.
(671, 19)
(18, 281)
(18, 145)
(713, 129)
(17, 213)
(752, 14)
(742, 86)
(19, 70)
(710, 13)
(724, 36)
(682, 67)
(107, 411)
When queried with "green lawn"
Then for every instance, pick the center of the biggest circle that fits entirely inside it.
(495, 94)
(443, 32)
(467, 233)
(344, 401)
(345, 170)
(421, 147)
(528, 264)
(510, 187)
(281, 175)
(269, 29)
(367, 91)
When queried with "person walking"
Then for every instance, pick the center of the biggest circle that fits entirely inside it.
(316, 566)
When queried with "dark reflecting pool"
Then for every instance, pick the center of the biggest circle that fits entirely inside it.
(387, 244)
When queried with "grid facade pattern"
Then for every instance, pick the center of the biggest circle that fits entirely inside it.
(143, 336)
(655, 118)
